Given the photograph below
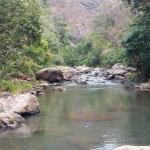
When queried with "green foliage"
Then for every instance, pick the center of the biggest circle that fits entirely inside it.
(136, 78)
(17, 87)
(6, 86)
(113, 57)
(58, 59)
(138, 4)
(40, 53)
(28, 66)
(21, 47)
(137, 40)
(69, 57)
(82, 49)
(19, 25)
(88, 51)
(63, 30)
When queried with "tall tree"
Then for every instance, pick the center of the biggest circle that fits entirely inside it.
(137, 40)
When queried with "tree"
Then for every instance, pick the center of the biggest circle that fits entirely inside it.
(19, 26)
(138, 3)
(64, 33)
(137, 40)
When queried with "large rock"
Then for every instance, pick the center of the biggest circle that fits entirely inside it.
(133, 148)
(50, 74)
(118, 66)
(83, 69)
(68, 72)
(21, 104)
(118, 77)
(117, 69)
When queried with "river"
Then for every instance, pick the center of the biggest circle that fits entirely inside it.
(84, 117)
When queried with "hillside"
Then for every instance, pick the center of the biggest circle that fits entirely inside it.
(78, 13)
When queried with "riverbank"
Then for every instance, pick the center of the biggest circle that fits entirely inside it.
(53, 79)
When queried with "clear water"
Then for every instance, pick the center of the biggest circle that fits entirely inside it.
(90, 117)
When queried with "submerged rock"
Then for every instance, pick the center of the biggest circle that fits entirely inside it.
(60, 89)
(10, 120)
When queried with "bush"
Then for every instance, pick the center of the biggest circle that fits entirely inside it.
(16, 87)
(113, 57)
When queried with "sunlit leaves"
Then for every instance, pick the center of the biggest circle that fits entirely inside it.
(19, 25)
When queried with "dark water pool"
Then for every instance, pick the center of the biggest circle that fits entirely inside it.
(91, 117)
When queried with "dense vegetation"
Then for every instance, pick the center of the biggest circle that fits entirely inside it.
(21, 48)
(31, 40)
(137, 40)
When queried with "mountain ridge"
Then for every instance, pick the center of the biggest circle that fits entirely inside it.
(79, 14)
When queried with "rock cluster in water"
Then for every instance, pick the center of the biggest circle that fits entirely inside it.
(13, 106)
(82, 74)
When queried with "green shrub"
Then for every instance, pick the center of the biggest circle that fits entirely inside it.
(137, 78)
(58, 59)
(113, 57)
(7, 86)
(16, 87)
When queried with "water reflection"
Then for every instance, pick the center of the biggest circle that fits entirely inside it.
(90, 117)
(24, 131)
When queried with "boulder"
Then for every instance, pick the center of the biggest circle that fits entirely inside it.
(104, 73)
(117, 69)
(68, 72)
(83, 69)
(118, 77)
(118, 66)
(110, 77)
(21, 104)
(133, 148)
(50, 74)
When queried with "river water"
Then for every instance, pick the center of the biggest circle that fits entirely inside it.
(88, 117)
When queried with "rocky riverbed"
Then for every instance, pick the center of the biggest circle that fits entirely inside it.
(82, 75)
(13, 106)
